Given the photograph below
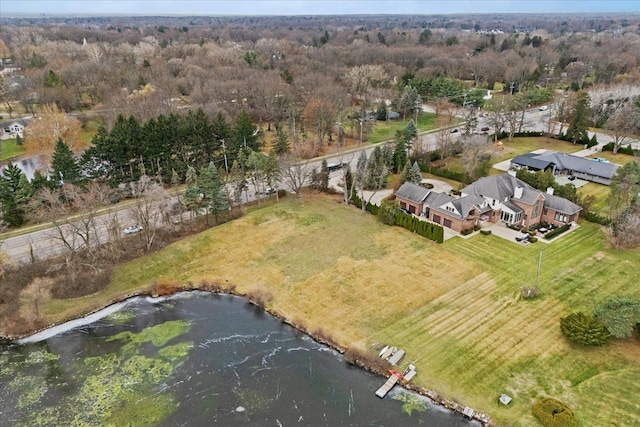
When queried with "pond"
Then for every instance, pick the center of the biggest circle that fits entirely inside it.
(191, 360)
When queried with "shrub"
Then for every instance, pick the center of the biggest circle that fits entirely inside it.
(476, 227)
(553, 413)
(485, 232)
(619, 314)
(584, 329)
(532, 239)
(558, 231)
(595, 218)
(466, 231)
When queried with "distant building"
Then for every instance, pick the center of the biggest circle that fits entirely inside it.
(567, 164)
(13, 128)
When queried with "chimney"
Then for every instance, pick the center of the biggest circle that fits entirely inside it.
(550, 190)
(517, 193)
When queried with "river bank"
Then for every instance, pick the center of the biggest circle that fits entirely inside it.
(352, 356)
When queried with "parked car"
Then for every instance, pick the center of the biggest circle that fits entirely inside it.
(571, 177)
(543, 108)
(454, 130)
(522, 238)
(485, 129)
(132, 229)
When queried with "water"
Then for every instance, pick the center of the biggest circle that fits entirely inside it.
(193, 360)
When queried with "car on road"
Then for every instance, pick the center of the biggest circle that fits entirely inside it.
(485, 129)
(543, 108)
(267, 190)
(132, 229)
(454, 130)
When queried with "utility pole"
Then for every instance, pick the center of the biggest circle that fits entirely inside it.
(538, 274)
(224, 153)
(361, 123)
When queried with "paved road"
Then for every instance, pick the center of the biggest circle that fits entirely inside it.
(41, 244)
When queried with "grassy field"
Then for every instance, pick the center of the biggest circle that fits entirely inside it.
(9, 149)
(384, 131)
(452, 307)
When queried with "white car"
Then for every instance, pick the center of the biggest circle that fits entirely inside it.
(132, 229)
(543, 108)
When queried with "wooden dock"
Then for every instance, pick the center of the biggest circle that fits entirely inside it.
(388, 385)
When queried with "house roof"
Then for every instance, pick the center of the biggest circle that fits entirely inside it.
(412, 192)
(560, 204)
(463, 205)
(22, 122)
(564, 161)
(501, 188)
(531, 161)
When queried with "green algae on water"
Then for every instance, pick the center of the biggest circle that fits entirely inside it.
(411, 403)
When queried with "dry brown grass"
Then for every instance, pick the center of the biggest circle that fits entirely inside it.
(337, 273)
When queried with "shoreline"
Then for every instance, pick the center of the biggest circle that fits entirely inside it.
(91, 317)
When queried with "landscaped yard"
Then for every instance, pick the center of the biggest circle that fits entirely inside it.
(452, 307)
(9, 149)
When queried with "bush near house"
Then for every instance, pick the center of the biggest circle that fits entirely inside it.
(553, 413)
(558, 231)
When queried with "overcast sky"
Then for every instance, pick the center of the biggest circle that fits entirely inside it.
(307, 7)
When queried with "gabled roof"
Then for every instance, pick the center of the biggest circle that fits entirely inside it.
(560, 204)
(580, 164)
(564, 161)
(531, 161)
(22, 122)
(412, 192)
(501, 187)
(464, 205)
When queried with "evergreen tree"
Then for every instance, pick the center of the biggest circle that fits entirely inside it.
(404, 174)
(400, 155)
(212, 187)
(244, 134)
(19, 140)
(381, 112)
(11, 189)
(579, 119)
(64, 166)
(281, 146)
(414, 174)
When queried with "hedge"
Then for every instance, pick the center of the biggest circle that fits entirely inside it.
(595, 218)
(553, 413)
(444, 173)
(426, 229)
(556, 232)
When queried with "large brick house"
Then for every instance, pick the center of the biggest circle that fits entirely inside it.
(491, 199)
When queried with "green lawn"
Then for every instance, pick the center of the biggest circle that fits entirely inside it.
(9, 149)
(600, 193)
(384, 131)
(453, 307)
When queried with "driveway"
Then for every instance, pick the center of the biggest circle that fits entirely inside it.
(438, 186)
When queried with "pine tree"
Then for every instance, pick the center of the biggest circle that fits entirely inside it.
(63, 164)
(281, 145)
(414, 174)
(400, 156)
